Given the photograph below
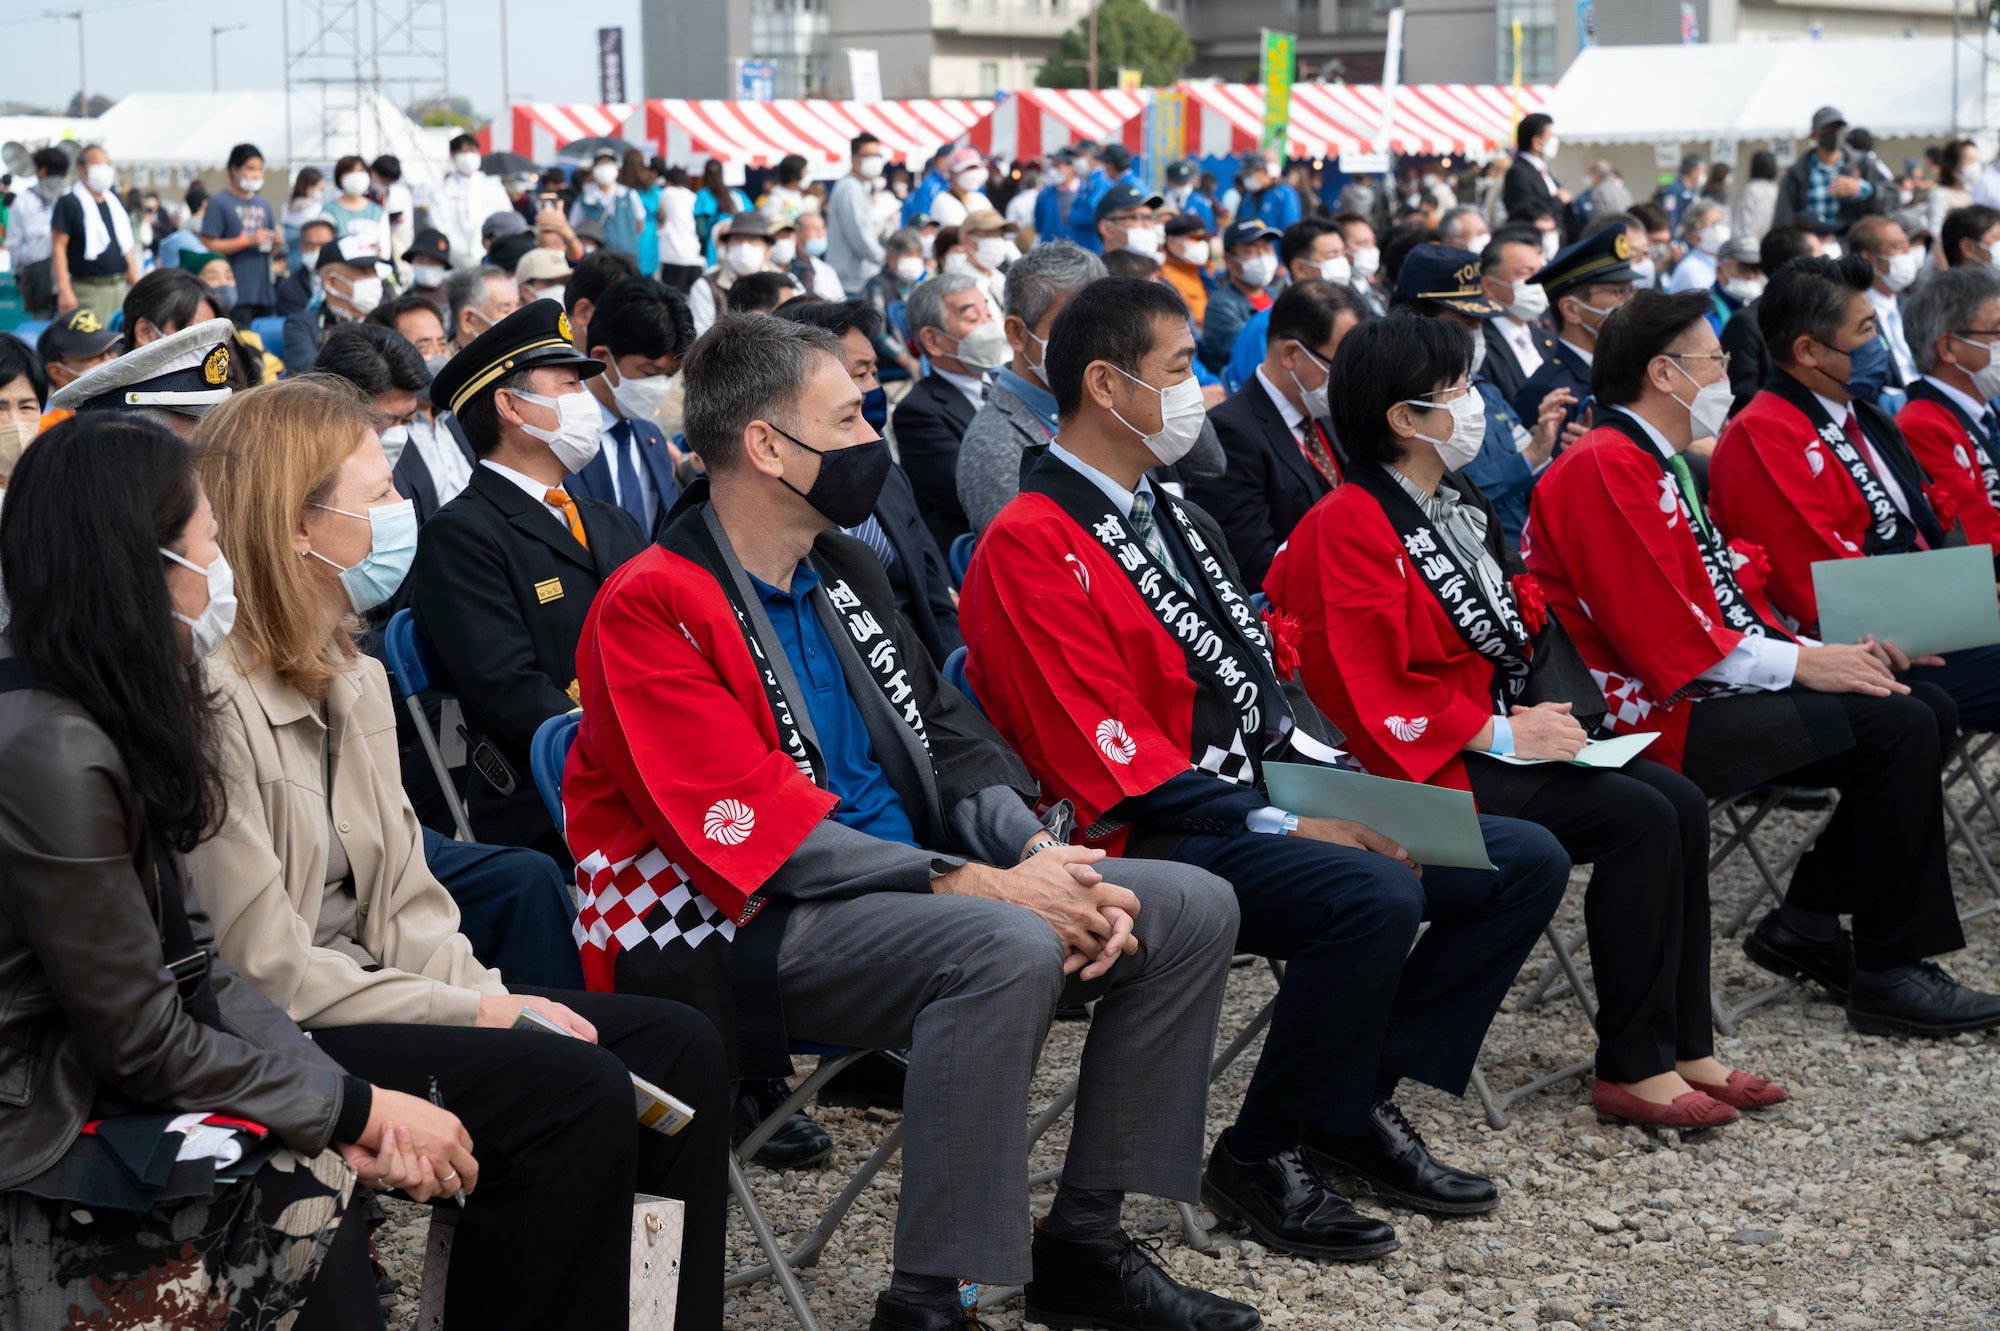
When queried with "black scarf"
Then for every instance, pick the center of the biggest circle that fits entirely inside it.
(1241, 715)
(1889, 529)
(1975, 432)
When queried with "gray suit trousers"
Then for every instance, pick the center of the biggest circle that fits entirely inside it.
(969, 986)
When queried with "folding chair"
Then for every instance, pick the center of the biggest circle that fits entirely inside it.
(1197, 1237)
(961, 556)
(417, 673)
(1972, 747)
(1741, 835)
(1563, 963)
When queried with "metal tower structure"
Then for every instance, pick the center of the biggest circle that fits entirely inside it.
(342, 57)
(1974, 37)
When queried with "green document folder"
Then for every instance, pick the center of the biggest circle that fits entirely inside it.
(1924, 602)
(1596, 753)
(1435, 825)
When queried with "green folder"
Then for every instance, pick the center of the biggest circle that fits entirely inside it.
(1435, 825)
(1926, 601)
(1614, 752)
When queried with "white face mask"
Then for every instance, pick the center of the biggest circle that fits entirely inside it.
(427, 274)
(1478, 243)
(992, 251)
(367, 294)
(218, 617)
(1337, 271)
(1194, 252)
(1367, 261)
(100, 177)
(641, 395)
(1745, 289)
(1531, 302)
(909, 268)
(1550, 146)
(394, 440)
(1478, 352)
(1181, 414)
(354, 182)
(871, 167)
(467, 163)
(784, 251)
(579, 426)
(604, 174)
(1710, 408)
(1903, 269)
(1710, 239)
(1985, 379)
(558, 293)
(1144, 240)
(985, 348)
(1314, 399)
(1642, 273)
(744, 258)
(1259, 269)
(1040, 371)
(1468, 427)
(250, 184)
(971, 180)
(1551, 244)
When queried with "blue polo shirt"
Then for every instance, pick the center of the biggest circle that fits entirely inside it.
(868, 803)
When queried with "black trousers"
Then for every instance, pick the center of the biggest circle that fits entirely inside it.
(1644, 831)
(342, 1296)
(546, 1238)
(1359, 1008)
(1882, 858)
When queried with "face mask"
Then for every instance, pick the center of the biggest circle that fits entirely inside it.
(1745, 289)
(575, 439)
(871, 167)
(309, 260)
(910, 268)
(849, 481)
(1367, 261)
(250, 184)
(1831, 250)
(435, 363)
(1602, 314)
(992, 252)
(223, 298)
(1710, 239)
(1259, 269)
(1478, 353)
(641, 395)
(604, 174)
(427, 274)
(367, 294)
(1710, 408)
(958, 261)
(1181, 414)
(984, 348)
(1194, 252)
(1550, 146)
(971, 180)
(1337, 271)
(558, 294)
(1468, 428)
(816, 246)
(218, 617)
(1313, 398)
(1146, 240)
(1867, 369)
(1551, 244)
(744, 259)
(100, 177)
(783, 252)
(394, 440)
(1828, 140)
(467, 163)
(1902, 269)
(1041, 346)
(391, 551)
(929, 242)
(15, 436)
(1643, 273)
(1478, 243)
(1985, 379)
(1531, 302)
(354, 182)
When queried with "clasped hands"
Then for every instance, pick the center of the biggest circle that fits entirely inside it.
(1091, 917)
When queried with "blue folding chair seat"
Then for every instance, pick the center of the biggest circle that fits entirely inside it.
(954, 675)
(270, 330)
(417, 673)
(961, 556)
(548, 752)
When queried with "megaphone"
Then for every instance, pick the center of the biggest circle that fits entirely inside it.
(16, 158)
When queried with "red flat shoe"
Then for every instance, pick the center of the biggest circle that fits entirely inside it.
(1744, 1090)
(1691, 1110)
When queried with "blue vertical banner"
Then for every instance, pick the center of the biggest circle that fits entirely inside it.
(1586, 24)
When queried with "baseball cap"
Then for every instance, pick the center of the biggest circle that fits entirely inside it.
(1827, 115)
(1248, 230)
(1120, 198)
(79, 334)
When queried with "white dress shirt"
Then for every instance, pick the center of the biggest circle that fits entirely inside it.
(608, 445)
(1521, 341)
(1695, 272)
(450, 472)
(972, 385)
(1295, 419)
(1889, 318)
(1542, 170)
(1579, 351)
(1967, 403)
(534, 489)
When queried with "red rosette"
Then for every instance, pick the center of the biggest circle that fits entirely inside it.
(1284, 631)
(1532, 602)
(1943, 503)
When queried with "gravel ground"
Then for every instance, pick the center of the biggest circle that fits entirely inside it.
(1868, 1200)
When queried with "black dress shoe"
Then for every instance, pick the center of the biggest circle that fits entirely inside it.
(895, 1315)
(1288, 1204)
(1921, 1000)
(1393, 1162)
(800, 1142)
(872, 1081)
(1783, 950)
(1115, 1285)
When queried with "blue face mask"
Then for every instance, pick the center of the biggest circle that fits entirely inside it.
(816, 246)
(1868, 370)
(390, 554)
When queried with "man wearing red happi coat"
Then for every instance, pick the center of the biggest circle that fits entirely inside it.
(1953, 326)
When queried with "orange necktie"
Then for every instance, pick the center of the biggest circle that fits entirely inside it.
(558, 498)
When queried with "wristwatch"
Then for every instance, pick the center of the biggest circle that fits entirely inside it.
(1037, 849)
(1291, 823)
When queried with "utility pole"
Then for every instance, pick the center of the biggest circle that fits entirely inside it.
(506, 90)
(214, 52)
(82, 78)
(1093, 44)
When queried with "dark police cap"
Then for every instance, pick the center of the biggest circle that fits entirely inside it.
(1605, 257)
(1124, 198)
(1448, 276)
(536, 334)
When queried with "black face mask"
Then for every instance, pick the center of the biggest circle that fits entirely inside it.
(849, 481)
(1829, 139)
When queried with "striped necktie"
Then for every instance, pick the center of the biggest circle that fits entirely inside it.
(1149, 536)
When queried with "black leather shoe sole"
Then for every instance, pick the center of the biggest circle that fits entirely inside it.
(1063, 1321)
(1882, 1023)
(1342, 1172)
(1227, 1211)
(1792, 967)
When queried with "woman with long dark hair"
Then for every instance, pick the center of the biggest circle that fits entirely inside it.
(119, 1015)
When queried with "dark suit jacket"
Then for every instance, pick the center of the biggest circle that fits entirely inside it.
(501, 595)
(1749, 356)
(1560, 369)
(594, 481)
(929, 422)
(1500, 368)
(1524, 189)
(1266, 488)
(920, 579)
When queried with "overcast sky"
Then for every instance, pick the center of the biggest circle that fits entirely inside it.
(163, 46)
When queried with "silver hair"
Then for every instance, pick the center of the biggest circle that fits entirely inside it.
(1448, 224)
(1046, 274)
(1697, 210)
(467, 289)
(925, 306)
(747, 367)
(904, 240)
(1948, 303)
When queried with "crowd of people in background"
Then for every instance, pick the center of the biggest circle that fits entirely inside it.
(936, 557)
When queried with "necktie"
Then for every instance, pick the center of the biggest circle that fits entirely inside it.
(1881, 466)
(870, 533)
(631, 494)
(559, 498)
(1992, 423)
(1149, 536)
(1685, 479)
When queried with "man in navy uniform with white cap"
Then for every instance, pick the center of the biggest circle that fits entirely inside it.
(175, 380)
(1586, 282)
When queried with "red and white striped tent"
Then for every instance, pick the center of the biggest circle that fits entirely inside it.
(538, 130)
(1432, 119)
(1037, 121)
(760, 133)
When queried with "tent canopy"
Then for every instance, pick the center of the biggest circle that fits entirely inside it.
(1227, 119)
(1896, 87)
(1037, 121)
(197, 130)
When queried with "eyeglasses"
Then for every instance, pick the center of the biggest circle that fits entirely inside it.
(1721, 357)
(1976, 332)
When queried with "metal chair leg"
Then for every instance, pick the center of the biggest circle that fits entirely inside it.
(436, 757)
(778, 1266)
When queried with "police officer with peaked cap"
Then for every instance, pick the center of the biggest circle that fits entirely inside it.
(177, 379)
(1586, 282)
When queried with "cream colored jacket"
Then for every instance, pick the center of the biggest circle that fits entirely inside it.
(263, 875)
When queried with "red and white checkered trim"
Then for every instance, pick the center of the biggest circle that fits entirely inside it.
(617, 898)
(1630, 704)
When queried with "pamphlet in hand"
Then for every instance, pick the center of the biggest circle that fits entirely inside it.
(663, 1113)
(1926, 601)
(1596, 752)
(1435, 825)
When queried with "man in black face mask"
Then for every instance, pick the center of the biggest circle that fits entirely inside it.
(784, 815)
(1825, 185)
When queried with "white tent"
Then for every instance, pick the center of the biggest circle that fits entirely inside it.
(1897, 88)
(197, 129)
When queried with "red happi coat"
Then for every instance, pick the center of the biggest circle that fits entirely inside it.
(1071, 665)
(1611, 548)
(1937, 437)
(1377, 652)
